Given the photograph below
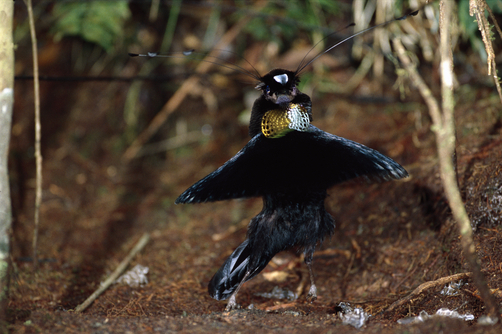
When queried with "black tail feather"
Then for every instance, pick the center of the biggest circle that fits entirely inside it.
(229, 276)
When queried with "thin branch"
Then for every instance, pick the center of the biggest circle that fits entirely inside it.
(477, 8)
(38, 131)
(495, 23)
(425, 286)
(446, 149)
(419, 82)
(113, 277)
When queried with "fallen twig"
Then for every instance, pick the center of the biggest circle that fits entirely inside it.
(113, 277)
(427, 285)
(281, 306)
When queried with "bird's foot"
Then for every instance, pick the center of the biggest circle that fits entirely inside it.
(312, 295)
(232, 304)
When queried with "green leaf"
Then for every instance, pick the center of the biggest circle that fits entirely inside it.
(99, 22)
(282, 20)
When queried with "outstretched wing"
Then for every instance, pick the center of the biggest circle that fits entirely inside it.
(298, 162)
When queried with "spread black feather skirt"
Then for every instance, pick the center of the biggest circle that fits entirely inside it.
(309, 161)
(292, 174)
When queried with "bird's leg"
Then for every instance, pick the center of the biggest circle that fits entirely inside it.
(232, 303)
(312, 295)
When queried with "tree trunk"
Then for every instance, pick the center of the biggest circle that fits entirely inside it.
(6, 102)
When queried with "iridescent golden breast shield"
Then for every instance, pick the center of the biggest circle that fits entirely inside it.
(277, 123)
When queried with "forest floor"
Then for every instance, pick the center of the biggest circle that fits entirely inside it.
(390, 238)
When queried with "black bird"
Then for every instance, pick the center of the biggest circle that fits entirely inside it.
(290, 164)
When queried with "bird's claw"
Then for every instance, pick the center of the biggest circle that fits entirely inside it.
(232, 304)
(312, 295)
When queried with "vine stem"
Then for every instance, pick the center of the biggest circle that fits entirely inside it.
(38, 132)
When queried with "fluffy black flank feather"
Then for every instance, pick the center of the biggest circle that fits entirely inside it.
(286, 221)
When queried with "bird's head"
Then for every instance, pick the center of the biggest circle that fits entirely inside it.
(279, 87)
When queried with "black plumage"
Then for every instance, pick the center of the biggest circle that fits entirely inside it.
(299, 162)
(292, 173)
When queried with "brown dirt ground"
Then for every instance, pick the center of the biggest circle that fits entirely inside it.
(389, 239)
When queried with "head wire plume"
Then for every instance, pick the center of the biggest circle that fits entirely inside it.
(255, 74)
(220, 61)
(303, 65)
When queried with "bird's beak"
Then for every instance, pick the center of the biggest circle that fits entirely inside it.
(283, 99)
